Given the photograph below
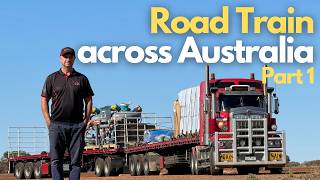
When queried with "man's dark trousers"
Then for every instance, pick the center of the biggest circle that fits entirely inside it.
(66, 136)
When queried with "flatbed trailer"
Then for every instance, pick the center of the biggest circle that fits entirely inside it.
(229, 124)
(119, 159)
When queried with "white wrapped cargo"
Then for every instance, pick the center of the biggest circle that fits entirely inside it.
(189, 104)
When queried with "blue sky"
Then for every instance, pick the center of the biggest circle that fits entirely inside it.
(33, 32)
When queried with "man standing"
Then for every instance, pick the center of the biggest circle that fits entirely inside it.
(71, 106)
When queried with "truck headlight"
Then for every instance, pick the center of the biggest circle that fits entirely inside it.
(277, 143)
(220, 124)
(274, 143)
(270, 143)
(242, 142)
(223, 125)
(274, 127)
(221, 144)
(258, 142)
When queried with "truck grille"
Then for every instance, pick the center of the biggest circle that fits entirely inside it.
(249, 141)
(250, 131)
(242, 121)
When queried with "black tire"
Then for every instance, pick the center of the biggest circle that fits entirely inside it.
(18, 170)
(139, 165)
(89, 168)
(108, 170)
(192, 164)
(37, 170)
(28, 170)
(146, 168)
(118, 171)
(132, 165)
(212, 163)
(99, 167)
(213, 169)
(196, 165)
(242, 170)
(276, 171)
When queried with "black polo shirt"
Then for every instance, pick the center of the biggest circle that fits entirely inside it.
(67, 94)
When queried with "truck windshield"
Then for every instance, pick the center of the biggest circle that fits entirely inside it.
(232, 101)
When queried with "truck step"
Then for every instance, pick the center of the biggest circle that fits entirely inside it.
(203, 159)
(203, 166)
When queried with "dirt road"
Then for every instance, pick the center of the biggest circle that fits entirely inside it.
(312, 173)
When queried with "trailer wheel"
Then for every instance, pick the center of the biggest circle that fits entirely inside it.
(146, 168)
(37, 170)
(132, 165)
(99, 166)
(18, 170)
(107, 167)
(139, 165)
(28, 170)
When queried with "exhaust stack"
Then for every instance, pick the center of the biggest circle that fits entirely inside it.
(269, 96)
(265, 93)
(265, 85)
(252, 76)
(206, 108)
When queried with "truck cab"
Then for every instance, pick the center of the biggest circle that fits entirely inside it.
(237, 127)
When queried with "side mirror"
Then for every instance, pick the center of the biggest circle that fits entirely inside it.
(276, 104)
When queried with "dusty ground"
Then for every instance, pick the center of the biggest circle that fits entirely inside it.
(306, 173)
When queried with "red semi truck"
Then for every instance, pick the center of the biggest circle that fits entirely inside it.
(232, 125)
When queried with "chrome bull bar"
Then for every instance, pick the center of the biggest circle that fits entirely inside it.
(249, 143)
